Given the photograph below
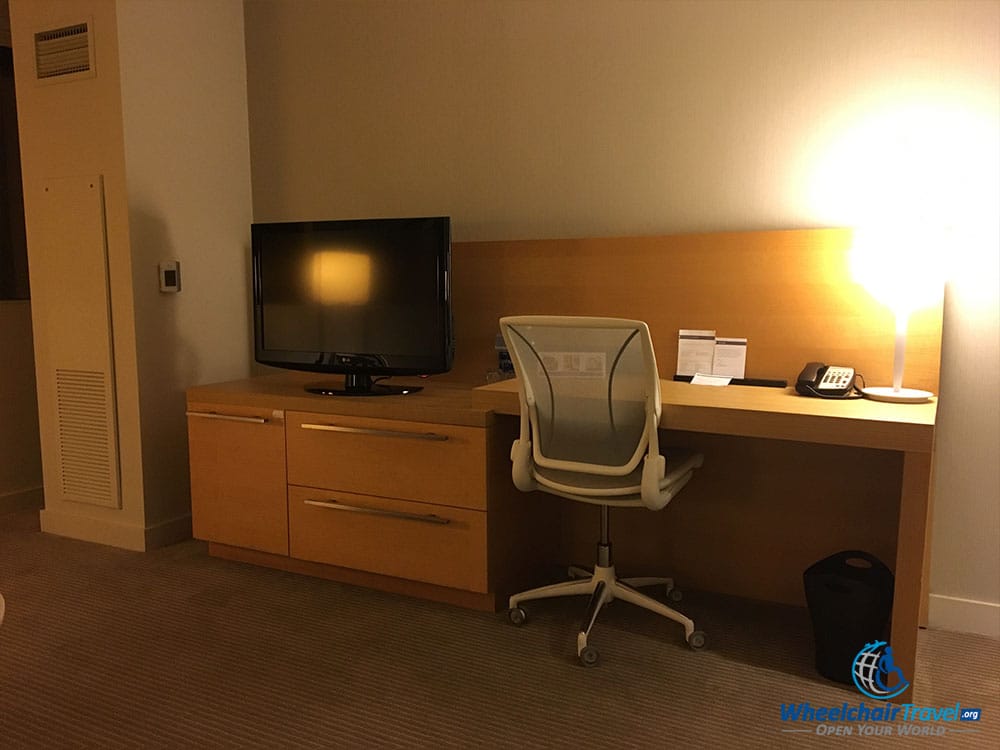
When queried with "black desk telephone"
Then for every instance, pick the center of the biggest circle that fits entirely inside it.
(826, 381)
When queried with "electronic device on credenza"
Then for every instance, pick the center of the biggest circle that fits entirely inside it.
(365, 298)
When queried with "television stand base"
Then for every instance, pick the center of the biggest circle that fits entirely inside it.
(360, 385)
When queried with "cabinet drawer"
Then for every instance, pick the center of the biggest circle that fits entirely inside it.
(238, 491)
(443, 464)
(442, 545)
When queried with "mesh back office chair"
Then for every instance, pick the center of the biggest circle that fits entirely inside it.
(590, 406)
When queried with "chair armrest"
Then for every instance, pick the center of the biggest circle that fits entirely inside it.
(522, 466)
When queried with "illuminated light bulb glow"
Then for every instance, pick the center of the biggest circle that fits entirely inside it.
(340, 277)
(916, 170)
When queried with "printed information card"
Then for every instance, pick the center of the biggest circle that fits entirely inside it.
(695, 351)
(703, 379)
(730, 357)
(710, 359)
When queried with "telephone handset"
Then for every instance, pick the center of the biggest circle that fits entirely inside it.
(826, 381)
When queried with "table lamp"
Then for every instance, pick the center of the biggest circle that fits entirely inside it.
(899, 269)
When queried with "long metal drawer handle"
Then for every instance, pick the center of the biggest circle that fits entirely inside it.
(228, 417)
(334, 505)
(377, 433)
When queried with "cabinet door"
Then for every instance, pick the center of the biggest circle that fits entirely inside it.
(238, 489)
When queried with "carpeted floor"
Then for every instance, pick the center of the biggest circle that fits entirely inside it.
(104, 648)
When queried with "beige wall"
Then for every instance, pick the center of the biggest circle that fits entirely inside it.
(966, 530)
(607, 117)
(21, 464)
(188, 174)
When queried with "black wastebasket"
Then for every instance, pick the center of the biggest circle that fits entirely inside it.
(850, 599)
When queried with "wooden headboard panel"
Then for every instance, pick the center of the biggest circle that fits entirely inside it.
(788, 292)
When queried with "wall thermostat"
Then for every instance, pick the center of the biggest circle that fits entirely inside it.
(170, 276)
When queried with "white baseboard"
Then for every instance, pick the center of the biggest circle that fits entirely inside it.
(963, 615)
(136, 538)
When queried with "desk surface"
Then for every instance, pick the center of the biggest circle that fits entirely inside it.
(749, 411)
(439, 402)
(780, 413)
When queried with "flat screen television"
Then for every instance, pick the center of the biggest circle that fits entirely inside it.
(365, 298)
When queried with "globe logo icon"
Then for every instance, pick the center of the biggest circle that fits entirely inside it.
(875, 674)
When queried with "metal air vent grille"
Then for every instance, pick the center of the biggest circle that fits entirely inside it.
(86, 443)
(60, 52)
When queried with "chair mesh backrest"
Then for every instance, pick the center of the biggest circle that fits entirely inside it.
(587, 381)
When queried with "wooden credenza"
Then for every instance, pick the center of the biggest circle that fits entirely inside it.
(404, 493)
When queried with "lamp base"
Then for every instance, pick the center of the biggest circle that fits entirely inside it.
(901, 396)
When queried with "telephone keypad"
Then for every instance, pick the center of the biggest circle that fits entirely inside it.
(837, 378)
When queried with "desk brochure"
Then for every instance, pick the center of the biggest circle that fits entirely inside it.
(701, 353)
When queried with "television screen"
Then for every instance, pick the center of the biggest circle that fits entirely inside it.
(360, 297)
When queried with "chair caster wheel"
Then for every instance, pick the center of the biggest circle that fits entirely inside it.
(517, 616)
(589, 656)
(696, 640)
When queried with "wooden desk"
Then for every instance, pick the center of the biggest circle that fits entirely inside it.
(787, 480)
(905, 430)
